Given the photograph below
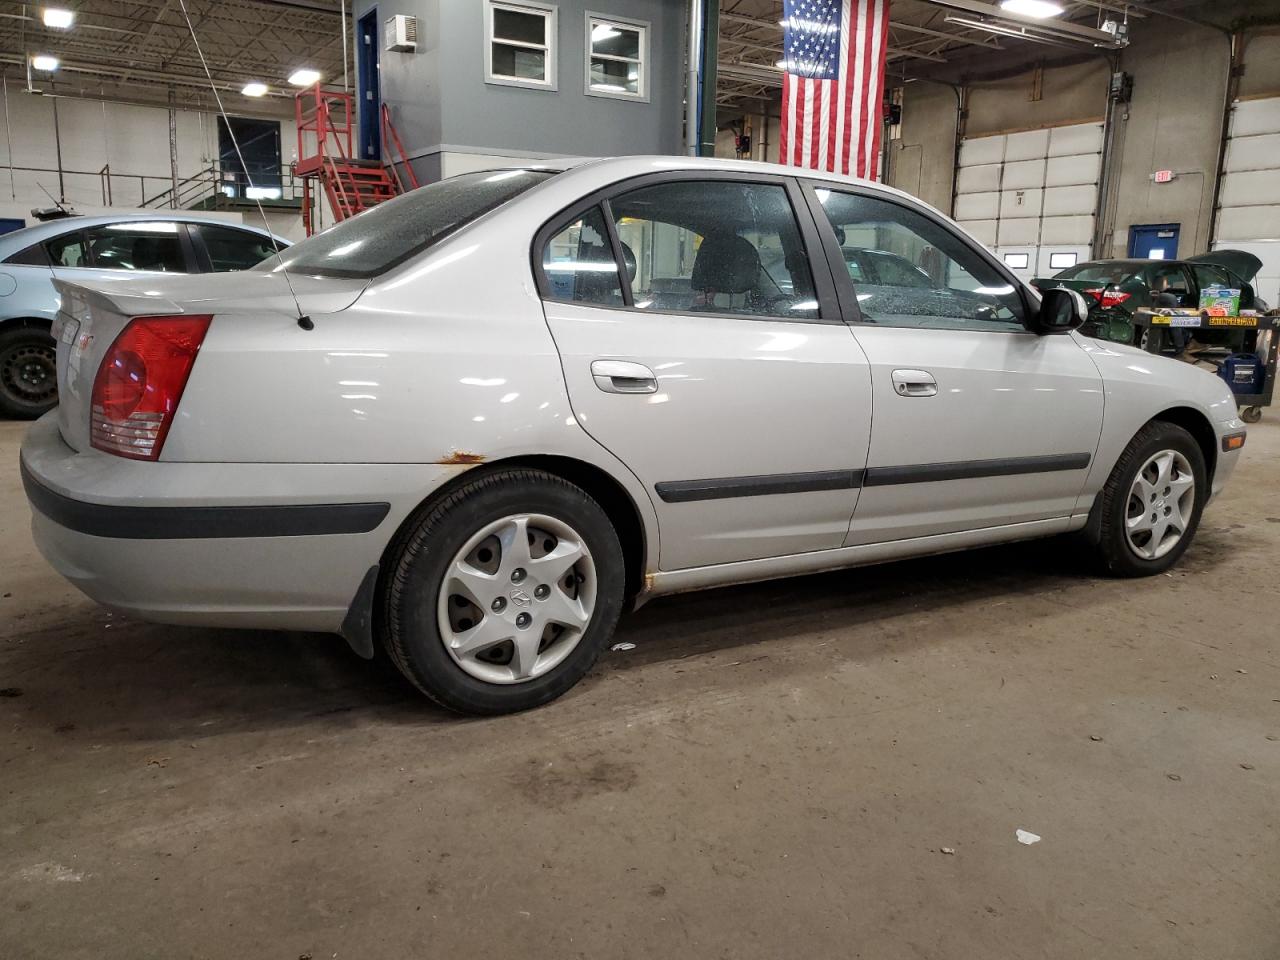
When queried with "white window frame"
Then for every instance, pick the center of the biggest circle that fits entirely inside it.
(551, 14)
(642, 27)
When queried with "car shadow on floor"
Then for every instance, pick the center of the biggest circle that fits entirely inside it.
(113, 679)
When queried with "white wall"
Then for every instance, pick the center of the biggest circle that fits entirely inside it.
(133, 140)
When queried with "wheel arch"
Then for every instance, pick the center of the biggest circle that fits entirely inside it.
(32, 323)
(612, 496)
(1200, 428)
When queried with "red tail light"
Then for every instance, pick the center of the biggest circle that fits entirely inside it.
(1107, 298)
(140, 382)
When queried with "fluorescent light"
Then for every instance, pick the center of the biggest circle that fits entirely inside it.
(1039, 9)
(602, 31)
(304, 77)
(43, 61)
(57, 18)
(254, 89)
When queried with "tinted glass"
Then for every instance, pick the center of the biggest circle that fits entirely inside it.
(716, 247)
(137, 246)
(520, 26)
(232, 249)
(33, 256)
(579, 263)
(1210, 276)
(917, 273)
(377, 240)
(67, 250)
(615, 76)
(1172, 281)
(519, 62)
(1108, 273)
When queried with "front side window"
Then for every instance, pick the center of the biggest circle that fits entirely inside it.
(914, 271)
(232, 249)
(580, 265)
(137, 245)
(379, 239)
(715, 247)
(617, 58)
(1169, 287)
(520, 43)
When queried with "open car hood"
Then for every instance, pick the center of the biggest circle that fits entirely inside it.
(1243, 265)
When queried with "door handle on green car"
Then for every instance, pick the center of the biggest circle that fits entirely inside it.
(914, 383)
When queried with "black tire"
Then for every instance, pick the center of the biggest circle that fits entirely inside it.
(417, 564)
(28, 373)
(1105, 535)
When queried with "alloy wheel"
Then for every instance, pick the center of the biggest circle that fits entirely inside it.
(517, 598)
(1161, 504)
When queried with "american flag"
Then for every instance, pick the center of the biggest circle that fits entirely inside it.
(833, 84)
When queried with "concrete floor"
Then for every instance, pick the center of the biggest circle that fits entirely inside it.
(773, 771)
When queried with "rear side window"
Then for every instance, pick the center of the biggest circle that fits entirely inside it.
(379, 239)
(67, 250)
(32, 256)
(1108, 273)
(579, 263)
(1209, 276)
(232, 249)
(153, 246)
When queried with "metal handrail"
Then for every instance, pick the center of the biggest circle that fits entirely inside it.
(205, 182)
(389, 133)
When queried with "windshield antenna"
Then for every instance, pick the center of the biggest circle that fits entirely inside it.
(304, 321)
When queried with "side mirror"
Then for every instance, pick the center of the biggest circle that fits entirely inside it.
(1061, 310)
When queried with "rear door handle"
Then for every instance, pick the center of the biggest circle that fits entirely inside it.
(623, 376)
(914, 383)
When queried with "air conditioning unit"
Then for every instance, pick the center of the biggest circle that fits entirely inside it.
(402, 33)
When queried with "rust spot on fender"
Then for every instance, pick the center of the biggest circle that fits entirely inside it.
(460, 458)
(648, 582)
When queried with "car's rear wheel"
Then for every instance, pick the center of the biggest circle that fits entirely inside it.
(1149, 510)
(502, 595)
(28, 373)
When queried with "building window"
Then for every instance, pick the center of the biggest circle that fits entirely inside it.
(617, 57)
(1017, 261)
(520, 44)
(1061, 261)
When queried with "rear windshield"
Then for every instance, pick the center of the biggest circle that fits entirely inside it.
(1099, 272)
(391, 232)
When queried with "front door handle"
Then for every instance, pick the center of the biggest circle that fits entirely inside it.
(914, 383)
(623, 376)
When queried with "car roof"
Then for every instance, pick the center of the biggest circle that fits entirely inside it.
(17, 240)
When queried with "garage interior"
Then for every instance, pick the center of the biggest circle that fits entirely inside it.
(984, 754)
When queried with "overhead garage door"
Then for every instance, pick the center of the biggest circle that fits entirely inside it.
(1031, 196)
(1249, 207)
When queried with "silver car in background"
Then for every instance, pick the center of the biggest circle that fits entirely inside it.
(475, 423)
(97, 248)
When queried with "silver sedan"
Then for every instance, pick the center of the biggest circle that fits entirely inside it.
(474, 424)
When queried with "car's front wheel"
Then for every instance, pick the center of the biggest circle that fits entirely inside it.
(1149, 510)
(28, 372)
(502, 595)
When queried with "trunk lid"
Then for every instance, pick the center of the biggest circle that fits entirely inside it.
(93, 312)
(1243, 264)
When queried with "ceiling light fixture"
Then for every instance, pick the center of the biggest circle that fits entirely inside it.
(58, 18)
(1037, 9)
(304, 77)
(1020, 33)
(254, 89)
(42, 61)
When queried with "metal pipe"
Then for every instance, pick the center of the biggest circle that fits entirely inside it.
(8, 136)
(173, 148)
(57, 146)
(1234, 70)
(346, 86)
(692, 124)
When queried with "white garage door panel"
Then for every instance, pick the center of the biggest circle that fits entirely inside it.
(1048, 190)
(984, 231)
(1249, 223)
(981, 150)
(1019, 232)
(1032, 145)
(1077, 138)
(1016, 204)
(1072, 170)
(1070, 201)
(1254, 153)
(980, 179)
(1068, 231)
(1023, 175)
(977, 206)
(1251, 188)
(1249, 118)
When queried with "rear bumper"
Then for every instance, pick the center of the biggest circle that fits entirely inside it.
(271, 546)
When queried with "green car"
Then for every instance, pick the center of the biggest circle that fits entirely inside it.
(1115, 289)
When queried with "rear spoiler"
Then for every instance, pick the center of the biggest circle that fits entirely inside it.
(117, 297)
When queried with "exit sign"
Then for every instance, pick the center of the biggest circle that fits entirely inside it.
(1163, 176)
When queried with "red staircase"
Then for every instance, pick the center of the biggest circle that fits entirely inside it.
(350, 184)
